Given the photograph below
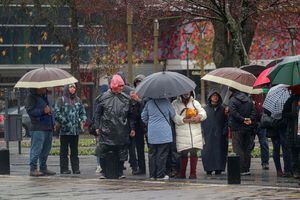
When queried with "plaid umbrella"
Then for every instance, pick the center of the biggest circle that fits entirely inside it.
(45, 77)
(275, 100)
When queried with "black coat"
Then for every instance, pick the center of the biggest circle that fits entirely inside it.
(241, 107)
(114, 118)
(215, 131)
(290, 115)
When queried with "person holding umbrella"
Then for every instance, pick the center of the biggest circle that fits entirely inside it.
(188, 131)
(39, 110)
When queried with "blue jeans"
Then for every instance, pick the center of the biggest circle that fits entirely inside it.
(41, 143)
(264, 146)
(281, 140)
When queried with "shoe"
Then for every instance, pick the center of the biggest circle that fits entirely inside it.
(247, 173)
(134, 171)
(76, 172)
(139, 172)
(98, 170)
(279, 174)
(218, 172)
(48, 172)
(102, 176)
(296, 175)
(265, 166)
(122, 176)
(152, 179)
(165, 178)
(36, 173)
(287, 174)
(65, 172)
(208, 173)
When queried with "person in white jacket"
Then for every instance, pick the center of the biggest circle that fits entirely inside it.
(188, 131)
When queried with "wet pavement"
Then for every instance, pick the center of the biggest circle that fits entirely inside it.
(261, 184)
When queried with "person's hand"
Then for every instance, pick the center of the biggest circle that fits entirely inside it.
(247, 121)
(132, 133)
(196, 119)
(47, 110)
(187, 120)
(134, 96)
(98, 131)
(82, 125)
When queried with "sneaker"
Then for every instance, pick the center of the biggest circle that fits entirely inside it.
(247, 173)
(98, 170)
(122, 176)
(102, 176)
(265, 166)
(36, 173)
(65, 172)
(165, 178)
(48, 172)
(76, 172)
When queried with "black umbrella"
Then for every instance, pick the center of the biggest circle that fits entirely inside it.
(164, 84)
(253, 69)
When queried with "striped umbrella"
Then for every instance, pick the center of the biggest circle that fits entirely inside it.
(233, 77)
(45, 77)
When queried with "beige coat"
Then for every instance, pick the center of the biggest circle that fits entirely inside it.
(188, 135)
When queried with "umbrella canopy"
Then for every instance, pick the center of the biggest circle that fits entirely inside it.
(45, 77)
(165, 84)
(275, 100)
(253, 69)
(262, 78)
(286, 72)
(232, 77)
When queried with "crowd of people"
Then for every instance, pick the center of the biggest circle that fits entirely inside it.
(176, 131)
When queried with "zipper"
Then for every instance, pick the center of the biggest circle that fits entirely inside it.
(191, 135)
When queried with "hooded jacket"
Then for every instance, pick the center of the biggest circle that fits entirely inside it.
(114, 118)
(241, 107)
(35, 105)
(69, 113)
(188, 135)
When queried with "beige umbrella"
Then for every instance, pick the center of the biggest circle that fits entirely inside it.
(45, 77)
(233, 77)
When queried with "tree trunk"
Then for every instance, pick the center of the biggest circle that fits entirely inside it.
(74, 41)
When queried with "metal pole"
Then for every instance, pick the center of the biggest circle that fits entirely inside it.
(202, 83)
(6, 136)
(20, 138)
(155, 48)
(129, 42)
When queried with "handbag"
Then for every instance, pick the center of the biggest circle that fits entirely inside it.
(266, 121)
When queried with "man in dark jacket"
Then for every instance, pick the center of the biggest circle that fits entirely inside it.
(241, 121)
(137, 143)
(38, 109)
(114, 123)
(291, 113)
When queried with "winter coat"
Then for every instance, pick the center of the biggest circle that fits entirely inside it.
(35, 105)
(114, 118)
(290, 115)
(188, 135)
(159, 129)
(241, 107)
(215, 131)
(69, 114)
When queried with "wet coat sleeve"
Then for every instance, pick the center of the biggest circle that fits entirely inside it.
(98, 115)
(31, 107)
(145, 115)
(132, 115)
(233, 109)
